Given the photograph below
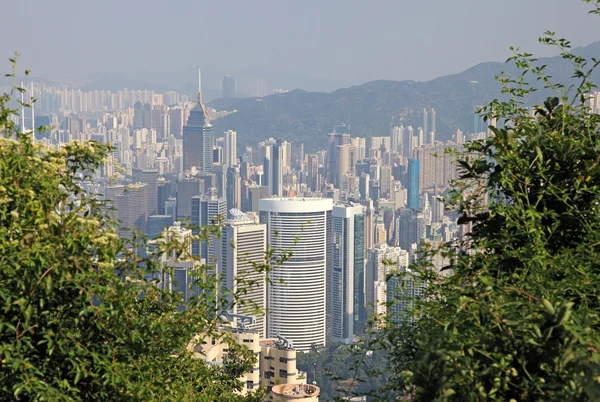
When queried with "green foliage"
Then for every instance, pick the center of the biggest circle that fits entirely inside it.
(79, 320)
(344, 370)
(518, 319)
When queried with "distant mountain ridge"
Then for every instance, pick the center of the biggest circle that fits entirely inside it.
(370, 109)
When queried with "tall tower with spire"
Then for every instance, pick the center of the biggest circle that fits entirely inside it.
(197, 136)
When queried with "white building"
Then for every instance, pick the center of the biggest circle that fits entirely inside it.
(296, 292)
(240, 254)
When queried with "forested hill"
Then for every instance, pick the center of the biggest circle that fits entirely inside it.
(301, 116)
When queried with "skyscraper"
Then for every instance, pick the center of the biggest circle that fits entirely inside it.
(433, 127)
(206, 210)
(230, 148)
(296, 293)
(130, 207)
(410, 228)
(229, 89)
(150, 177)
(346, 299)
(340, 136)
(396, 140)
(273, 169)
(413, 184)
(241, 246)
(197, 137)
(380, 260)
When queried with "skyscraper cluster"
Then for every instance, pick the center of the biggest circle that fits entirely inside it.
(350, 215)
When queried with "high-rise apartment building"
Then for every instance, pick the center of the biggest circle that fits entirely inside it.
(129, 206)
(230, 148)
(381, 260)
(403, 289)
(239, 253)
(346, 299)
(396, 139)
(197, 137)
(296, 292)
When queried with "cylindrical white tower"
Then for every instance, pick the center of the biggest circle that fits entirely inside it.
(296, 293)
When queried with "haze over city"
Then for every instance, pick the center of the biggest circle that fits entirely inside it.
(342, 42)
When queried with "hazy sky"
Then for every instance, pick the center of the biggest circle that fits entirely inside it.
(331, 39)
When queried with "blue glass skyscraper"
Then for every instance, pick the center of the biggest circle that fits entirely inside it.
(413, 184)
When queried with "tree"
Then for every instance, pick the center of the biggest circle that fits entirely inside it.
(79, 318)
(518, 319)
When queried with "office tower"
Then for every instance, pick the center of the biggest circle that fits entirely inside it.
(273, 169)
(433, 128)
(197, 137)
(396, 139)
(255, 194)
(410, 228)
(374, 190)
(218, 155)
(171, 207)
(186, 189)
(340, 136)
(364, 186)
(312, 170)
(157, 224)
(150, 177)
(296, 295)
(163, 194)
(381, 259)
(130, 207)
(346, 297)
(207, 210)
(233, 192)
(238, 252)
(425, 122)
(231, 148)
(413, 184)
(229, 88)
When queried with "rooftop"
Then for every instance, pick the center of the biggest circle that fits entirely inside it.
(296, 391)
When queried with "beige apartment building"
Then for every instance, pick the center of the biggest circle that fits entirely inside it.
(275, 364)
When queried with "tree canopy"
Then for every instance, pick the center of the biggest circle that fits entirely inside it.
(80, 316)
(519, 318)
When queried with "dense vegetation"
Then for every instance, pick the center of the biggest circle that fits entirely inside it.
(339, 369)
(79, 318)
(519, 319)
